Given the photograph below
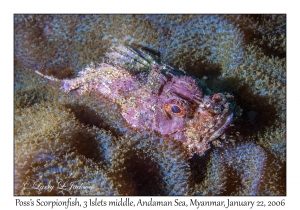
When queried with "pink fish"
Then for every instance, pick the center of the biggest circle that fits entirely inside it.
(155, 97)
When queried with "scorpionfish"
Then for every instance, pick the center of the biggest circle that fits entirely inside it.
(156, 97)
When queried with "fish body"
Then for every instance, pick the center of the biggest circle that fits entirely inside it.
(156, 97)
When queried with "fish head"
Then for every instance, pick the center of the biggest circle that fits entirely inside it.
(173, 104)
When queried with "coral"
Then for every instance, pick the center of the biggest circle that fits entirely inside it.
(50, 153)
(54, 149)
(234, 171)
(29, 89)
(143, 165)
(268, 31)
(61, 44)
(39, 40)
(195, 39)
(267, 83)
(239, 54)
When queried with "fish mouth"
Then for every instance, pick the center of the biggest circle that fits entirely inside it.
(215, 116)
(208, 125)
(221, 126)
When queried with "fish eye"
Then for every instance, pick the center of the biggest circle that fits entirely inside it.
(175, 109)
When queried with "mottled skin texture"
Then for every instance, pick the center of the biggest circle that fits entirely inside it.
(156, 97)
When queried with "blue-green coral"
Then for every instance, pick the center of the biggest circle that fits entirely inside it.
(91, 143)
(237, 164)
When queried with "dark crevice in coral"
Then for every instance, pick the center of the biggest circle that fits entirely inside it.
(143, 175)
(87, 146)
(252, 35)
(271, 50)
(257, 114)
(202, 68)
(274, 179)
(233, 183)
(198, 166)
(89, 117)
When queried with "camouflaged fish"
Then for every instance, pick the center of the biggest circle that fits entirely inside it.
(155, 97)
